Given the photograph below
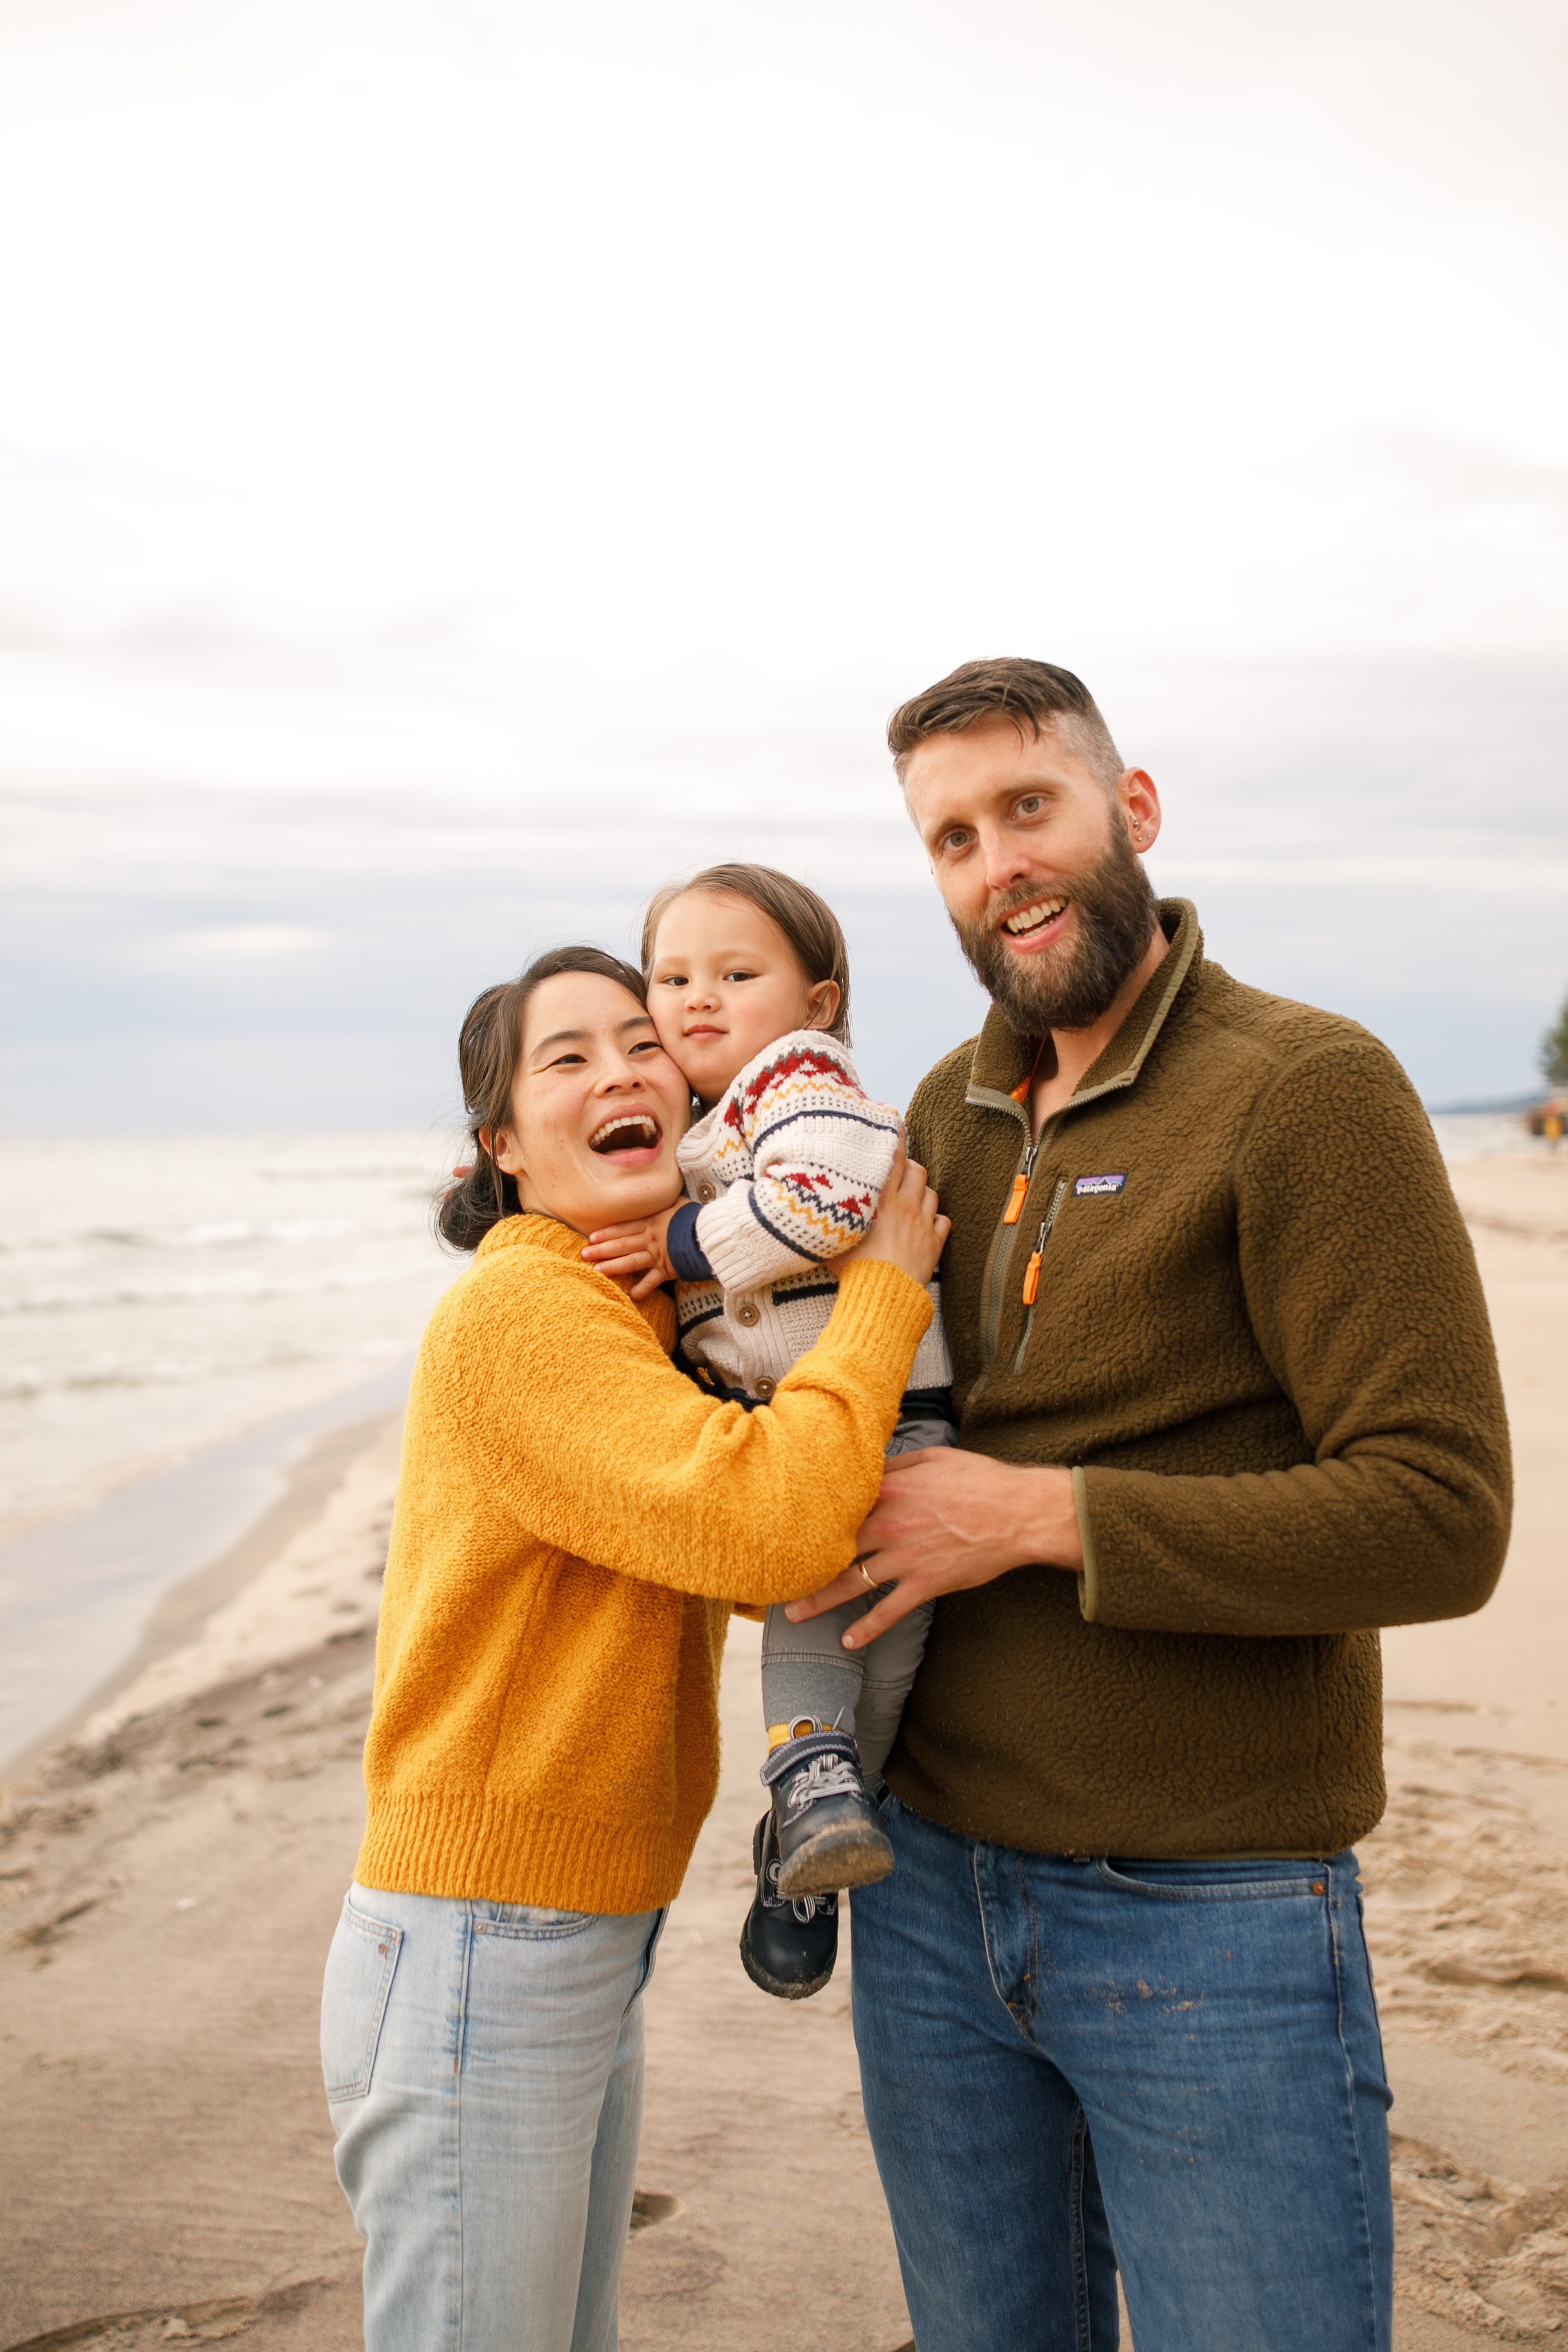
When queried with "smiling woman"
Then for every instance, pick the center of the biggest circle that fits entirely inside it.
(521, 1103)
(598, 1105)
(575, 1520)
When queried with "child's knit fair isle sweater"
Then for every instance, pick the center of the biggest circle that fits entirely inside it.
(785, 1173)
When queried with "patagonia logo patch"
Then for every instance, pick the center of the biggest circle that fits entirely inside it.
(1100, 1183)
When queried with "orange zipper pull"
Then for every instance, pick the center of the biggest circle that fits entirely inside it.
(1015, 1205)
(1032, 1271)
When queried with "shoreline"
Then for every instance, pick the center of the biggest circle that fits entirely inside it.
(88, 1597)
(182, 1609)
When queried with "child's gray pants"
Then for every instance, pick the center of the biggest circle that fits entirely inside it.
(806, 1670)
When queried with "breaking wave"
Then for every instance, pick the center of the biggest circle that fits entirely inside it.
(23, 1383)
(241, 1285)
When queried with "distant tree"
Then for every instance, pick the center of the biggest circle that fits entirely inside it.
(1554, 1050)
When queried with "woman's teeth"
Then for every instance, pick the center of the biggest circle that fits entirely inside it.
(631, 1132)
(1031, 918)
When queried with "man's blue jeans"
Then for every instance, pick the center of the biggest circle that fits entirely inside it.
(1170, 2067)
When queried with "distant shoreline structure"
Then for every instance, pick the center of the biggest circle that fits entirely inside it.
(1499, 1107)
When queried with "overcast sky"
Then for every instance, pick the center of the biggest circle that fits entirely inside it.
(461, 461)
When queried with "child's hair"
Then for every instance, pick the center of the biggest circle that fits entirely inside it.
(807, 922)
(490, 1046)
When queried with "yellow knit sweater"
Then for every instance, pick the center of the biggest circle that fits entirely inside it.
(574, 1518)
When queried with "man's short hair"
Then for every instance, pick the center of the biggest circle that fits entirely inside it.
(1030, 694)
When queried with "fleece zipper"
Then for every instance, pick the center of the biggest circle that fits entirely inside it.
(1000, 1256)
(1032, 1271)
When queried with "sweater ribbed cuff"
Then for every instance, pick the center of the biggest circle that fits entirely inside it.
(882, 1314)
(1088, 1578)
(683, 1249)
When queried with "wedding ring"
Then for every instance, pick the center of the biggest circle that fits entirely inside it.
(867, 1577)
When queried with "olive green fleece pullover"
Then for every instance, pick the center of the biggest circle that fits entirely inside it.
(1258, 1338)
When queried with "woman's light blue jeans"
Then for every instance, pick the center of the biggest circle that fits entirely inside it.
(484, 2067)
(1172, 2068)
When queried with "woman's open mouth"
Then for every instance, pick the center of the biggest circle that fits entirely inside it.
(629, 1135)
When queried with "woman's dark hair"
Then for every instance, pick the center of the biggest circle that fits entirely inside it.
(807, 922)
(490, 1047)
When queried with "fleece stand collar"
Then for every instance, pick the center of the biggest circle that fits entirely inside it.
(1003, 1058)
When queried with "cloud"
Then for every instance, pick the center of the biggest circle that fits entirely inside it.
(226, 945)
(1009, 325)
(59, 469)
(549, 479)
(1428, 479)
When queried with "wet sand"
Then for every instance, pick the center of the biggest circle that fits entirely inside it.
(170, 1877)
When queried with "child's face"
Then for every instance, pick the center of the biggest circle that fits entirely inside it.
(725, 982)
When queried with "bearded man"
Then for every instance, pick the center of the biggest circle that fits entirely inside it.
(1228, 1402)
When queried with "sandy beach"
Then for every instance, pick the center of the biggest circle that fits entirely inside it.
(171, 1871)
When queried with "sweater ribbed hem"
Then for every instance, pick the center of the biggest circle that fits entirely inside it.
(465, 1846)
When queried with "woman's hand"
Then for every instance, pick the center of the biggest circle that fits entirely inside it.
(910, 1230)
(636, 1256)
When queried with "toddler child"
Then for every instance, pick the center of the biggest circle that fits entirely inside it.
(749, 990)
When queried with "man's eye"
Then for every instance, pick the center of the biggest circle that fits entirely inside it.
(647, 1045)
(954, 841)
(1031, 804)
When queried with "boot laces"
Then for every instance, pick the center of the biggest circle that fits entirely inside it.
(823, 1776)
(805, 1906)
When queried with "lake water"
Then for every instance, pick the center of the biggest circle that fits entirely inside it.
(161, 1292)
(1483, 1135)
(181, 1317)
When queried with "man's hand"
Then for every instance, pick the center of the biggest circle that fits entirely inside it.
(635, 1255)
(946, 1520)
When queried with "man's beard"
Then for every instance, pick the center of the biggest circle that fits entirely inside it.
(1068, 989)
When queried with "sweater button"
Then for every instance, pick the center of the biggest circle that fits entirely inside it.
(706, 1193)
(749, 1313)
(765, 1388)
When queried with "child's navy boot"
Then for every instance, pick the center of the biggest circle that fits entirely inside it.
(786, 1947)
(825, 1824)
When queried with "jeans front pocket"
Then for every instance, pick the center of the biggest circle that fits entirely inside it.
(1249, 1879)
(360, 1970)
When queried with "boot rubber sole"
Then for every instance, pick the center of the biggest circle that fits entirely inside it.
(854, 1855)
(759, 1975)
